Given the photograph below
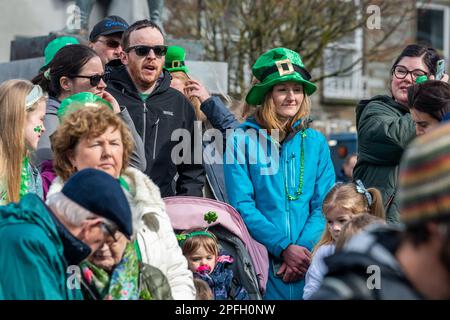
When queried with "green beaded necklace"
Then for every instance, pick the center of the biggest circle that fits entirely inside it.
(299, 192)
(25, 177)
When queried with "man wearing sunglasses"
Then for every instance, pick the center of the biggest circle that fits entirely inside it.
(105, 38)
(157, 109)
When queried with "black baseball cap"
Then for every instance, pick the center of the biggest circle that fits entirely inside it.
(109, 25)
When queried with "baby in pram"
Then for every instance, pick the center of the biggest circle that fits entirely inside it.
(201, 249)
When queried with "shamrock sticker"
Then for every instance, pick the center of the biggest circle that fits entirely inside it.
(210, 217)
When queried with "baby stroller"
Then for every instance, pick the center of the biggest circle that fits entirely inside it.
(251, 262)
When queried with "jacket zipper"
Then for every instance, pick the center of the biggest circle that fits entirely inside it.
(156, 138)
(292, 162)
(145, 124)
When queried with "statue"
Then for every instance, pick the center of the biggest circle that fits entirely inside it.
(85, 6)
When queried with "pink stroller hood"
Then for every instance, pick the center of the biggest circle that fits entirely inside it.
(188, 212)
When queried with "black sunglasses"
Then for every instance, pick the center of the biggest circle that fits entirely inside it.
(110, 43)
(95, 79)
(143, 51)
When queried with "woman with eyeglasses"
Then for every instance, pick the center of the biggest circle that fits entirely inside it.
(74, 69)
(385, 125)
(22, 110)
(94, 137)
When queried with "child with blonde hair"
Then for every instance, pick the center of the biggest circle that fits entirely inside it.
(22, 111)
(341, 204)
(201, 249)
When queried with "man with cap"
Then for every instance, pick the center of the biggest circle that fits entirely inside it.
(410, 261)
(42, 244)
(158, 111)
(105, 38)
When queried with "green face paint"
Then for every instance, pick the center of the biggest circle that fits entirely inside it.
(38, 129)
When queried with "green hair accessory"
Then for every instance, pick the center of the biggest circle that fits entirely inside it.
(210, 217)
(78, 101)
(421, 79)
(184, 236)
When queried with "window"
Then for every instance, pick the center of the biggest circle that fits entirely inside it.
(433, 27)
(339, 56)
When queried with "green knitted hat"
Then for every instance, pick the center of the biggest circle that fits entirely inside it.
(175, 57)
(78, 101)
(53, 47)
(275, 66)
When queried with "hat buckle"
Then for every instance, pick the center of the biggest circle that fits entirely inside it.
(176, 64)
(284, 67)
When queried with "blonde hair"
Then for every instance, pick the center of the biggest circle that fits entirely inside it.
(267, 118)
(13, 118)
(192, 244)
(355, 225)
(180, 75)
(345, 196)
(89, 122)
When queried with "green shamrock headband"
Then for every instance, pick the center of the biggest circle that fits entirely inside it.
(209, 217)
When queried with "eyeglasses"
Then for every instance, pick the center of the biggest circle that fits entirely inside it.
(143, 51)
(95, 79)
(109, 230)
(400, 72)
(110, 43)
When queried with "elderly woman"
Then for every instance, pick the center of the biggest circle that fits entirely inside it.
(97, 138)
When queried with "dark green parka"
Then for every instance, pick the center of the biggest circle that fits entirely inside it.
(385, 128)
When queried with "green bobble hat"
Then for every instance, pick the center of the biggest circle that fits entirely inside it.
(53, 47)
(78, 101)
(275, 66)
(175, 57)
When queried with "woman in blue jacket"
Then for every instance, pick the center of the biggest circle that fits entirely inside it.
(277, 170)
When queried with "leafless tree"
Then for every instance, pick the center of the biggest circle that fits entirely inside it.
(238, 31)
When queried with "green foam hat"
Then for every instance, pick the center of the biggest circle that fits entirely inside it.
(175, 58)
(78, 101)
(53, 47)
(275, 66)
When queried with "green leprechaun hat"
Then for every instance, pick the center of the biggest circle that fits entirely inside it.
(175, 57)
(275, 66)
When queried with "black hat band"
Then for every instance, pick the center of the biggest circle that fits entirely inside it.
(175, 64)
(275, 69)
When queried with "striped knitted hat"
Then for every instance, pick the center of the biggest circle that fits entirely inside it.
(424, 188)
